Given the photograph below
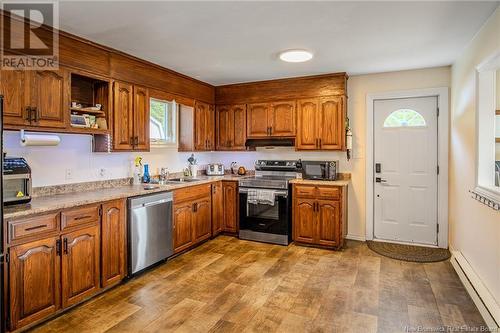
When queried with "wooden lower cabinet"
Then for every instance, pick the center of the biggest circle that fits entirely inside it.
(63, 264)
(202, 219)
(34, 271)
(113, 242)
(183, 226)
(80, 265)
(320, 215)
(217, 208)
(230, 209)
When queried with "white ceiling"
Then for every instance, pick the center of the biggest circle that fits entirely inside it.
(229, 42)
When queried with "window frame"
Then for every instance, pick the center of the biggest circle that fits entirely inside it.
(485, 128)
(175, 109)
(417, 114)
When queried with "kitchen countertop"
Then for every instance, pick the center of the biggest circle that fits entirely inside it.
(320, 182)
(49, 203)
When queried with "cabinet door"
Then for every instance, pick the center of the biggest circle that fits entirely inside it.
(80, 265)
(34, 272)
(331, 123)
(239, 129)
(123, 116)
(307, 127)
(48, 96)
(282, 118)
(14, 88)
(223, 127)
(113, 242)
(328, 223)
(141, 118)
(183, 226)
(230, 193)
(217, 208)
(210, 127)
(257, 120)
(202, 219)
(305, 221)
(200, 119)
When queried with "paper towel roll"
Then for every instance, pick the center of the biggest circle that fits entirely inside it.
(39, 140)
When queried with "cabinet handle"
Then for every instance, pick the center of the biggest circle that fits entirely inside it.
(132, 141)
(136, 141)
(83, 217)
(320, 142)
(36, 227)
(58, 247)
(37, 116)
(271, 130)
(28, 113)
(65, 245)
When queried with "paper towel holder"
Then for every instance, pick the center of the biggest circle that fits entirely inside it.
(24, 139)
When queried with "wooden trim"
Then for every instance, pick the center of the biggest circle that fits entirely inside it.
(287, 79)
(497, 112)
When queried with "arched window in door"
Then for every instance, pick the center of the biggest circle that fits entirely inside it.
(404, 118)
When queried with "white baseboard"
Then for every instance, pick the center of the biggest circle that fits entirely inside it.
(484, 300)
(356, 237)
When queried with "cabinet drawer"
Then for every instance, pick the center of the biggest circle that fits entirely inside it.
(192, 192)
(79, 216)
(328, 192)
(33, 226)
(305, 191)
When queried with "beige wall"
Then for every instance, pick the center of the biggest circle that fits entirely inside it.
(474, 228)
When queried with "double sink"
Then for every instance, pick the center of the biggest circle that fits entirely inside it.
(155, 185)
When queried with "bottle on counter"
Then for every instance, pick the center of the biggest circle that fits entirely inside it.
(146, 178)
(137, 173)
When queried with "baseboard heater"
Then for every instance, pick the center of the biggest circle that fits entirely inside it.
(488, 308)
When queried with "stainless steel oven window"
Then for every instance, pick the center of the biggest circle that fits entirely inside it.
(263, 211)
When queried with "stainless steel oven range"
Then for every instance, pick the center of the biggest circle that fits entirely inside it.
(266, 202)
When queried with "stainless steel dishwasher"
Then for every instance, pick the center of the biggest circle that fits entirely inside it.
(150, 230)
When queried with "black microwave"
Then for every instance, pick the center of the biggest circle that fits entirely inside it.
(323, 170)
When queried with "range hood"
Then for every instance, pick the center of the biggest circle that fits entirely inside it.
(270, 142)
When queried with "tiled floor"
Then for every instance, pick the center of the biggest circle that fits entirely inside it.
(230, 285)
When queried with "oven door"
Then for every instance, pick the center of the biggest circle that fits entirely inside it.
(273, 219)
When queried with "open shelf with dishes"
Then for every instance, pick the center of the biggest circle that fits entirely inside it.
(90, 104)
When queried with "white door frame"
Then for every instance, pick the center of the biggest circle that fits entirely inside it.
(443, 105)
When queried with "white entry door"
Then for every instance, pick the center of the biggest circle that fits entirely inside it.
(405, 170)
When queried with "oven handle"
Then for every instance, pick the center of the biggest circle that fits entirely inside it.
(281, 193)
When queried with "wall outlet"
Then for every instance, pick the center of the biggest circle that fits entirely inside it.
(69, 174)
(103, 172)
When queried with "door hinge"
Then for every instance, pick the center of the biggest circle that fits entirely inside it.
(100, 211)
(437, 228)
(7, 257)
(438, 112)
(438, 169)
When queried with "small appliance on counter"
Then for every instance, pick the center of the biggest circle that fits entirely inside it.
(320, 170)
(215, 169)
(16, 181)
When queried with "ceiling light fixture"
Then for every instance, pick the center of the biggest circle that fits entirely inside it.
(296, 55)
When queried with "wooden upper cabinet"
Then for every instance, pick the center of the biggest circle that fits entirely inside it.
(238, 122)
(204, 126)
(123, 116)
(217, 208)
(34, 272)
(281, 118)
(230, 214)
(113, 242)
(141, 118)
(304, 221)
(183, 226)
(328, 223)
(231, 127)
(307, 119)
(80, 265)
(223, 122)
(14, 87)
(49, 91)
(202, 219)
(257, 120)
(321, 123)
(331, 123)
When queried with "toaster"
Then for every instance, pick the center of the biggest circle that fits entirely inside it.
(215, 169)
(16, 181)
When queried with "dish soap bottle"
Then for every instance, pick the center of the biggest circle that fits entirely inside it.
(137, 174)
(146, 178)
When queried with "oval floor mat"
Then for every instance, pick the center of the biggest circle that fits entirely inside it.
(409, 252)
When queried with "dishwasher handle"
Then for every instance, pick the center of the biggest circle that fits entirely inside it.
(154, 203)
(149, 201)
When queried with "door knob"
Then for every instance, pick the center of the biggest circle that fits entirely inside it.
(380, 180)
